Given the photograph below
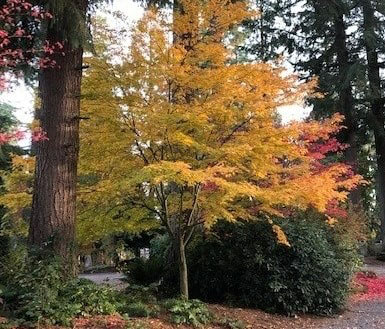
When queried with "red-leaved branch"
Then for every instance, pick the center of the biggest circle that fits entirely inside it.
(17, 49)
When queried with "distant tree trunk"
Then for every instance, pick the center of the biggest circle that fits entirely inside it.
(346, 100)
(376, 102)
(52, 222)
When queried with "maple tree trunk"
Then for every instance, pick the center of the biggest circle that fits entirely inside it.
(346, 100)
(178, 245)
(183, 273)
(52, 223)
(377, 119)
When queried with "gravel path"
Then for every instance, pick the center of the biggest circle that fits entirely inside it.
(361, 315)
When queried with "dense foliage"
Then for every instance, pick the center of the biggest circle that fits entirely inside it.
(33, 291)
(191, 312)
(243, 264)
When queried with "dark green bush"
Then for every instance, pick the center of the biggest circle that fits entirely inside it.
(35, 292)
(191, 312)
(242, 264)
(144, 272)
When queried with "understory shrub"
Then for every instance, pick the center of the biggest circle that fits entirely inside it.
(191, 312)
(139, 310)
(145, 272)
(243, 264)
(34, 291)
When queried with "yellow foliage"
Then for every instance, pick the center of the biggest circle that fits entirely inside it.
(179, 132)
(18, 184)
(181, 135)
(281, 236)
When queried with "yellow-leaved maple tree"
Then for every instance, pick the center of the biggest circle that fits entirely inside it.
(182, 134)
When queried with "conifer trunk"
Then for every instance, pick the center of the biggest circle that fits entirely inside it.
(377, 119)
(346, 100)
(52, 223)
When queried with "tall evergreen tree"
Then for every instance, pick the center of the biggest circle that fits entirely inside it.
(373, 30)
(315, 39)
(53, 207)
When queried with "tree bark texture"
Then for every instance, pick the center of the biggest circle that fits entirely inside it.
(52, 223)
(183, 273)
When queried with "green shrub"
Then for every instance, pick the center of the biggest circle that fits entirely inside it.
(242, 264)
(139, 310)
(144, 272)
(35, 292)
(191, 312)
(91, 298)
(144, 294)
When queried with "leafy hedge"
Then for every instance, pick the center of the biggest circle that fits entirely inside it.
(242, 263)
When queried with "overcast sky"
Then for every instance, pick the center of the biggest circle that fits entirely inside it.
(21, 97)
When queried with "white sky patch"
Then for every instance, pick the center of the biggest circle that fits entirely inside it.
(22, 98)
(294, 112)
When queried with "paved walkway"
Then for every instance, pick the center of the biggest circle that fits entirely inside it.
(109, 277)
(114, 279)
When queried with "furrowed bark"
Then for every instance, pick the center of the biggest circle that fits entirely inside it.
(52, 223)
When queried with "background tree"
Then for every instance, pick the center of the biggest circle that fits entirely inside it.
(373, 29)
(325, 39)
(7, 123)
(17, 52)
(98, 212)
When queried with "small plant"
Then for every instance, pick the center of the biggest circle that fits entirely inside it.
(144, 272)
(143, 294)
(138, 309)
(191, 312)
(232, 323)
